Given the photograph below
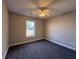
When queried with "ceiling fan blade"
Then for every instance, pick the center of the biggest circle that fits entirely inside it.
(41, 3)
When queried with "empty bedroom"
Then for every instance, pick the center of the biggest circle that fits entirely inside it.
(38, 29)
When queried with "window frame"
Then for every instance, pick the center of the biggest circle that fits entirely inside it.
(33, 29)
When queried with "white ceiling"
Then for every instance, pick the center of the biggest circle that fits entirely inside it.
(25, 7)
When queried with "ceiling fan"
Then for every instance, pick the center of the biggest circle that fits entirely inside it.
(42, 8)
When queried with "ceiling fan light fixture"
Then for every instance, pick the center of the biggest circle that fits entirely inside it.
(41, 12)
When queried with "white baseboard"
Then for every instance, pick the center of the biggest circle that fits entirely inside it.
(3, 56)
(64, 45)
(24, 42)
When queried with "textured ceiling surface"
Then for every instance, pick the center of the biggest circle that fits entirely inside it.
(25, 7)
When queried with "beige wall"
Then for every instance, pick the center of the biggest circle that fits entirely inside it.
(18, 28)
(62, 29)
(5, 30)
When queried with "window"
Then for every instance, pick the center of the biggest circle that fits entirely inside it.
(30, 28)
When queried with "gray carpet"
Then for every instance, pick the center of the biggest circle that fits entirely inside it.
(41, 49)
